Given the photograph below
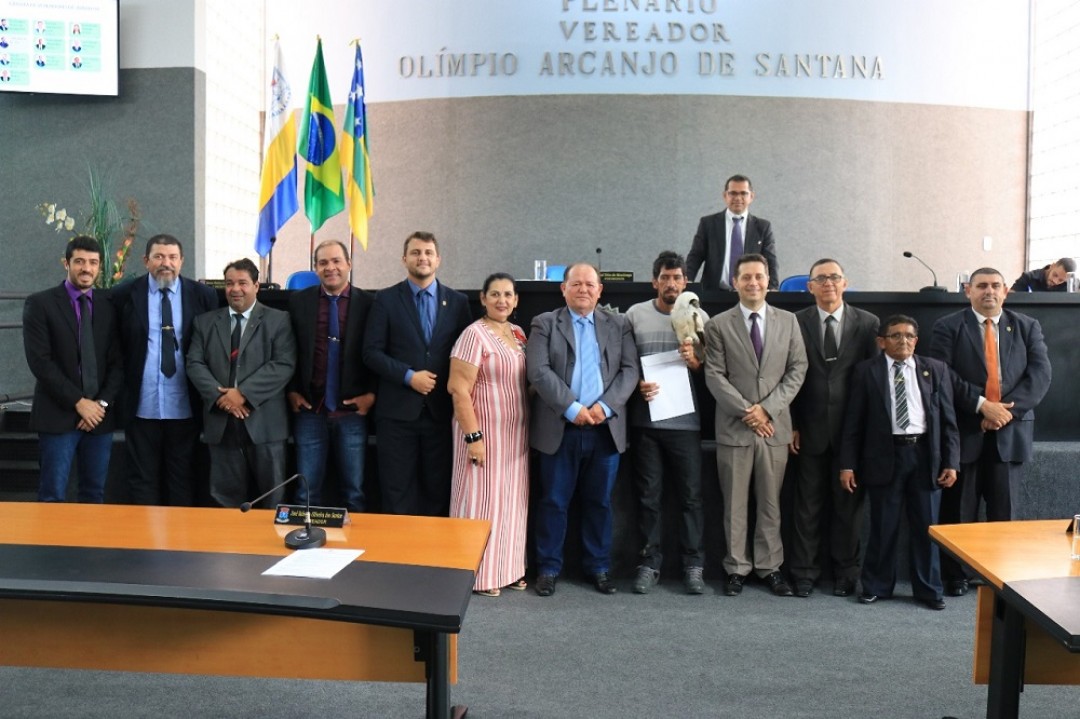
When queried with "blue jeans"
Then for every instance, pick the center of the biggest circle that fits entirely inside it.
(58, 451)
(586, 459)
(316, 435)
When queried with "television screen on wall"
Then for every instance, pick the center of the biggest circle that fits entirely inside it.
(69, 47)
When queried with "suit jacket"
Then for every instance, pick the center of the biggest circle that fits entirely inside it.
(130, 299)
(394, 342)
(818, 409)
(867, 445)
(549, 359)
(1025, 377)
(266, 364)
(737, 380)
(51, 344)
(710, 248)
(356, 378)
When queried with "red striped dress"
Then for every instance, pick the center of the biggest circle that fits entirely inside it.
(499, 490)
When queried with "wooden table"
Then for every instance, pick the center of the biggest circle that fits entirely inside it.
(122, 637)
(1010, 651)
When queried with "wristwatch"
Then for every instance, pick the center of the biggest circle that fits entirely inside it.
(103, 403)
(474, 437)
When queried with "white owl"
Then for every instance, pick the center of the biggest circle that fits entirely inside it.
(686, 321)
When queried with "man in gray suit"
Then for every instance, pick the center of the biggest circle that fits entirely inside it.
(240, 361)
(755, 362)
(583, 365)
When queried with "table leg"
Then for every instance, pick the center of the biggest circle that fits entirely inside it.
(1006, 662)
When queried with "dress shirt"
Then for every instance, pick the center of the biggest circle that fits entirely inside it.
(162, 397)
(916, 412)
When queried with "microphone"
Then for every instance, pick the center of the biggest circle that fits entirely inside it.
(935, 287)
(307, 537)
(599, 260)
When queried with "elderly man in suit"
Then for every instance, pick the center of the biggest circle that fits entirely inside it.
(412, 328)
(583, 365)
(162, 415)
(721, 239)
(837, 337)
(1002, 372)
(755, 363)
(900, 441)
(240, 361)
(73, 351)
(332, 391)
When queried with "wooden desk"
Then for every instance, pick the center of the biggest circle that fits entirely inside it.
(199, 641)
(1002, 553)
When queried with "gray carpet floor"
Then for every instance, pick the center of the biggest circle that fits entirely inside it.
(580, 654)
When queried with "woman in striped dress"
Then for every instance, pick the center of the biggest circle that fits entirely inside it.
(491, 447)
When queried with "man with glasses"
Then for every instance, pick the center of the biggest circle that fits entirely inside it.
(1002, 372)
(723, 238)
(900, 441)
(162, 413)
(837, 337)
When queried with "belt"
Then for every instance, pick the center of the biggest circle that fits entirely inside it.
(906, 439)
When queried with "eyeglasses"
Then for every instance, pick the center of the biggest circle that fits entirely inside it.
(898, 336)
(737, 193)
(822, 279)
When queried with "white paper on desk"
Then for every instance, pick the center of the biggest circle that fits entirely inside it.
(314, 563)
(668, 369)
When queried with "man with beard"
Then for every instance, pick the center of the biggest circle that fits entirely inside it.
(160, 409)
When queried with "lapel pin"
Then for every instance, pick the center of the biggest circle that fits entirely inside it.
(444, 303)
(1008, 329)
(925, 373)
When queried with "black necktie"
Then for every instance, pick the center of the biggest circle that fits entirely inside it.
(830, 339)
(234, 350)
(87, 352)
(168, 336)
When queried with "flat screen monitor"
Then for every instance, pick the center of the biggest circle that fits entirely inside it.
(68, 47)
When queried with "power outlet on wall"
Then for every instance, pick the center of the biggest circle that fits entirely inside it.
(988, 243)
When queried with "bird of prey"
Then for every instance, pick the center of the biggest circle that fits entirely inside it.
(686, 321)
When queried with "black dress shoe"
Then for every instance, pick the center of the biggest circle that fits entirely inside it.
(957, 587)
(935, 604)
(777, 584)
(733, 585)
(603, 583)
(803, 588)
(865, 598)
(843, 587)
(545, 585)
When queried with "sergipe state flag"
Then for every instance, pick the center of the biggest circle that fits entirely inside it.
(355, 160)
(323, 192)
(277, 198)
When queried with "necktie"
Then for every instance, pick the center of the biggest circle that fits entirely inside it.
(830, 339)
(900, 391)
(87, 351)
(168, 336)
(993, 374)
(333, 356)
(592, 384)
(736, 244)
(755, 335)
(234, 350)
(423, 306)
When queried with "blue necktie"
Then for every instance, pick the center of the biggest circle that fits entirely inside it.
(588, 351)
(423, 306)
(333, 355)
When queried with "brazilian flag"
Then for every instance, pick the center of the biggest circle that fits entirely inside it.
(324, 194)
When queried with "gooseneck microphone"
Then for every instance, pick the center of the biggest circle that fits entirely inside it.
(307, 537)
(599, 259)
(935, 287)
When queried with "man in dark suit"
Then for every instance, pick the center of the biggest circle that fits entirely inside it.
(161, 412)
(583, 365)
(721, 239)
(411, 329)
(332, 391)
(901, 442)
(1002, 372)
(837, 337)
(240, 361)
(1050, 278)
(755, 363)
(73, 351)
